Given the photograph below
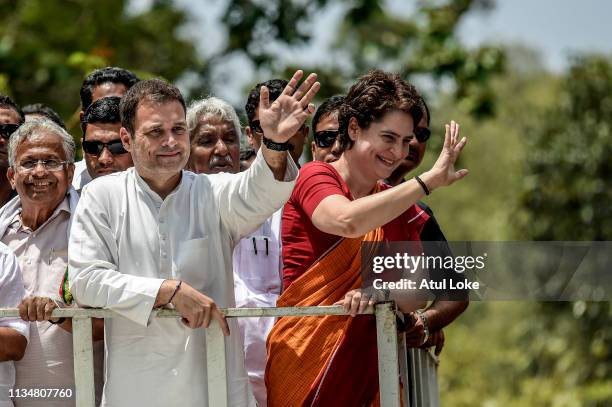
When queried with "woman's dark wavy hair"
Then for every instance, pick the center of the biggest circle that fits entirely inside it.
(374, 95)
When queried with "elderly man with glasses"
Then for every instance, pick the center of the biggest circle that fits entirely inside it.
(35, 226)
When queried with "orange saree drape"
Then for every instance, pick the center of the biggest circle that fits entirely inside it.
(328, 360)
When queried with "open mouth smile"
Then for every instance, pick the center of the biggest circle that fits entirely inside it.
(386, 162)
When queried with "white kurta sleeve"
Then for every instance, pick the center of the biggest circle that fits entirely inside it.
(247, 199)
(11, 290)
(93, 259)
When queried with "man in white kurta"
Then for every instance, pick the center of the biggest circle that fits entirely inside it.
(12, 330)
(132, 239)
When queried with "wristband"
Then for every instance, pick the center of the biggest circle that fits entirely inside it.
(178, 285)
(273, 145)
(59, 321)
(421, 315)
(420, 181)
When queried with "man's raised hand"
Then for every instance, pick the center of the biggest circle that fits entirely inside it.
(281, 119)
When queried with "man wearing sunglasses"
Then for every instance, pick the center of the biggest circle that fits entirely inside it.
(103, 82)
(11, 117)
(102, 147)
(254, 131)
(325, 145)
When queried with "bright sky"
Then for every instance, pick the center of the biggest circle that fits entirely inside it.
(555, 28)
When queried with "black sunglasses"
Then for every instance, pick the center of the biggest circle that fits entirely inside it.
(115, 147)
(326, 138)
(7, 129)
(422, 134)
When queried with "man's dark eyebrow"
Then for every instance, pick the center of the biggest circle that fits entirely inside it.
(153, 126)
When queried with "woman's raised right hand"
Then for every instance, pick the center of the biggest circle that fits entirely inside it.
(443, 171)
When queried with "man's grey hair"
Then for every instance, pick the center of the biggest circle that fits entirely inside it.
(215, 107)
(31, 128)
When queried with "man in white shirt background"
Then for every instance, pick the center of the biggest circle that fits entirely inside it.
(155, 235)
(103, 150)
(257, 258)
(103, 82)
(14, 332)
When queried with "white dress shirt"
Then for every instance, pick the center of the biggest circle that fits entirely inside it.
(81, 175)
(257, 283)
(11, 294)
(126, 240)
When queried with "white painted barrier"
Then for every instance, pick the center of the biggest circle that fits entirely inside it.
(417, 368)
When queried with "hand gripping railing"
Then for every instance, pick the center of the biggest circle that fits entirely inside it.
(390, 356)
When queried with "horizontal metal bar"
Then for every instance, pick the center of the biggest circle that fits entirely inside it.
(229, 312)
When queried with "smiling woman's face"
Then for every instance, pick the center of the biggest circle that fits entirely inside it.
(380, 148)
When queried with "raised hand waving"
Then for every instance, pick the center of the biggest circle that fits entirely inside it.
(283, 117)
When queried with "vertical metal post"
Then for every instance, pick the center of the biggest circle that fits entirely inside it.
(388, 364)
(432, 379)
(82, 347)
(215, 366)
(418, 377)
(403, 363)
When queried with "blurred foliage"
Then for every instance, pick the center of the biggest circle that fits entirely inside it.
(527, 353)
(568, 190)
(516, 354)
(422, 42)
(483, 205)
(47, 47)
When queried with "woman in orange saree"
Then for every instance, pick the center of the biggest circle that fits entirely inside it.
(332, 360)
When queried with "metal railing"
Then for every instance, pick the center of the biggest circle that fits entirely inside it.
(416, 367)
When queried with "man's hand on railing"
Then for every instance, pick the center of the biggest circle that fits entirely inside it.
(37, 309)
(196, 308)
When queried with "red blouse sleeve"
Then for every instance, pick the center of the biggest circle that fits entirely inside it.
(316, 182)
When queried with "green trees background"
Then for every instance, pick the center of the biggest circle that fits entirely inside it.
(539, 146)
